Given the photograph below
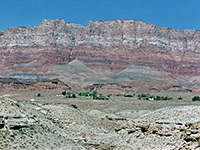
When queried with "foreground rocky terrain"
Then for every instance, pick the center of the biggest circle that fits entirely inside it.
(87, 124)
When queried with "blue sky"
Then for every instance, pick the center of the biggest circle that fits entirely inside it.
(179, 14)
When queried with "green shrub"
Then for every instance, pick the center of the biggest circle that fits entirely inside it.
(64, 93)
(143, 95)
(157, 98)
(196, 98)
(73, 95)
(165, 98)
(180, 98)
(68, 95)
(162, 98)
(94, 94)
(84, 93)
(38, 95)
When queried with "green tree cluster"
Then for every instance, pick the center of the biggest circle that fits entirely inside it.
(196, 98)
(148, 97)
(94, 95)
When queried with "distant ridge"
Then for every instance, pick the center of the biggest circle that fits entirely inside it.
(107, 47)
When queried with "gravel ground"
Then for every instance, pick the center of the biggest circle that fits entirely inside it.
(119, 123)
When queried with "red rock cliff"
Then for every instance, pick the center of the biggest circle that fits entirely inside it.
(109, 46)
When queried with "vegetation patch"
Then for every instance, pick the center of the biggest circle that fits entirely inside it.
(86, 95)
(180, 98)
(38, 95)
(152, 97)
(196, 98)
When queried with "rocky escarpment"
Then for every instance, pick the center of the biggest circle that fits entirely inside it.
(109, 46)
(14, 84)
(156, 130)
(166, 132)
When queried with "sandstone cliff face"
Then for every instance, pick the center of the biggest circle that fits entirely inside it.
(109, 46)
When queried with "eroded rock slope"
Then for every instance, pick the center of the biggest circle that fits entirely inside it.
(109, 46)
(43, 125)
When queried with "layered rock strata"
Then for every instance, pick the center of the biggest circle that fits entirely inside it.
(14, 84)
(109, 46)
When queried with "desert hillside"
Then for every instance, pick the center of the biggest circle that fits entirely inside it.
(51, 122)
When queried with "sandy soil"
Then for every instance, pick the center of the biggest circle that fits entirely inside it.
(113, 105)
